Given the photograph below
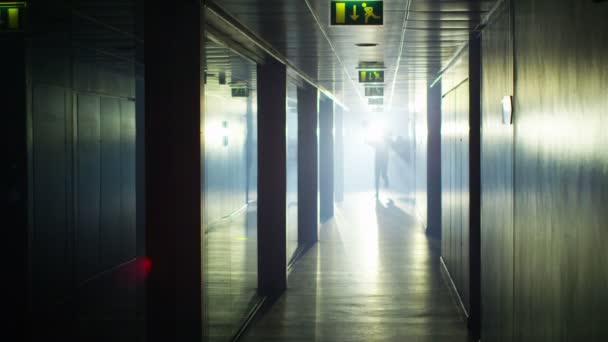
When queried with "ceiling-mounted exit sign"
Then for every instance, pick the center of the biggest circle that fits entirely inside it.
(374, 91)
(371, 76)
(357, 13)
(375, 101)
(11, 16)
(240, 92)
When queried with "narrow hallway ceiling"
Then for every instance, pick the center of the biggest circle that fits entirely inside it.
(417, 39)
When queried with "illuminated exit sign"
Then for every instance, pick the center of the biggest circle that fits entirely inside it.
(240, 92)
(374, 91)
(11, 16)
(357, 13)
(371, 76)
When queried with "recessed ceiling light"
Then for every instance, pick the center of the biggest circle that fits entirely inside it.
(366, 44)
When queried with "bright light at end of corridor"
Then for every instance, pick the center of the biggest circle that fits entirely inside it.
(375, 131)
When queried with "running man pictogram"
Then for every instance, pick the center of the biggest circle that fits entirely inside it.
(369, 12)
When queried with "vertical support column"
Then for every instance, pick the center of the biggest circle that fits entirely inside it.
(13, 100)
(339, 153)
(173, 89)
(272, 177)
(475, 184)
(308, 214)
(434, 160)
(326, 159)
(140, 164)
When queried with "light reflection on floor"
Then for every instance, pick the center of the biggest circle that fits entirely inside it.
(230, 273)
(374, 276)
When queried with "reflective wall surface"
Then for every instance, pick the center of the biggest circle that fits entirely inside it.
(292, 169)
(561, 162)
(81, 94)
(455, 222)
(497, 180)
(544, 177)
(229, 223)
(420, 158)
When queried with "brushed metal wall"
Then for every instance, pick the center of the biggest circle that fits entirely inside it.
(421, 134)
(455, 222)
(561, 187)
(497, 180)
(544, 178)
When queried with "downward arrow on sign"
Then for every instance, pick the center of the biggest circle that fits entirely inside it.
(354, 16)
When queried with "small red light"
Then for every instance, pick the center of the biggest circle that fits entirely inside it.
(147, 266)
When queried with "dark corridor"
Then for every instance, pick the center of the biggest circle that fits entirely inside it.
(205, 170)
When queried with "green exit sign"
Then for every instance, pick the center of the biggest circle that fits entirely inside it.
(374, 91)
(11, 16)
(357, 13)
(371, 76)
(379, 101)
(240, 92)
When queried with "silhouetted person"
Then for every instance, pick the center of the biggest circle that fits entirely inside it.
(402, 149)
(381, 152)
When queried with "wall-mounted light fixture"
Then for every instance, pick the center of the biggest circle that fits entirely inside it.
(225, 133)
(217, 134)
(507, 110)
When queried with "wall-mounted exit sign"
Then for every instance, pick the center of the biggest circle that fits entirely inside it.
(371, 76)
(357, 13)
(11, 16)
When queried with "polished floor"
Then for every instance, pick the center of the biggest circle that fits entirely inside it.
(374, 276)
(230, 273)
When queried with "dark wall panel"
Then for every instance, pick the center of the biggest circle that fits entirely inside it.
(497, 180)
(326, 159)
(110, 172)
(126, 237)
(88, 185)
(435, 153)
(14, 184)
(81, 141)
(50, 249)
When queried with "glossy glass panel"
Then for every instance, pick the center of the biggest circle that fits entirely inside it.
(292, 170)
(229, 218)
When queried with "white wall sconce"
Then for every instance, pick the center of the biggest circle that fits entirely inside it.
(507, 110)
